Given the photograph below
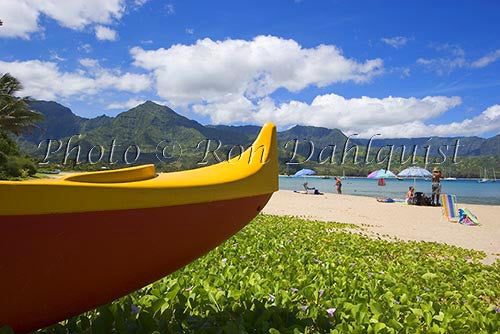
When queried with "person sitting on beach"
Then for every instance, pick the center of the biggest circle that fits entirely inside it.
(338, 184)
(409, 195)
(314, 190)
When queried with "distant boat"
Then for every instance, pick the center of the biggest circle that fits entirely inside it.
(450, 178)
(485, 178)
(325, 177)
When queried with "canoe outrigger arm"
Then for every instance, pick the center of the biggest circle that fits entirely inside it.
(71, 244)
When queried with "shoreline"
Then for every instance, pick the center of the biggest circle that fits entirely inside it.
(467, 190)
(395, 198)
(405, 222)
(68, 173)
(404, 178)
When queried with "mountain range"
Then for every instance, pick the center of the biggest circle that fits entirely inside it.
(149, 123)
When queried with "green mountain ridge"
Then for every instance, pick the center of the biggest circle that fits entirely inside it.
(149, 123)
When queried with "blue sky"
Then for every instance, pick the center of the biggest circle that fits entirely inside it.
(399, 68)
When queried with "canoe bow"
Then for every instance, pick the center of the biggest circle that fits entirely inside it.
(71, 244)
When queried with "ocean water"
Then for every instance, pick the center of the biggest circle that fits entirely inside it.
(466, 191)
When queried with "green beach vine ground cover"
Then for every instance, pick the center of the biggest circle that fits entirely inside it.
(289, 275)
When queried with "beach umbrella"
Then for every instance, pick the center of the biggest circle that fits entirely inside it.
(381, 174)
(415, 172)
(304, 172)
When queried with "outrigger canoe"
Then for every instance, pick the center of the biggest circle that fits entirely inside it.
(71, 244)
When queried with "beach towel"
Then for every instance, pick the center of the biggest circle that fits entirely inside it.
(467, 218)
(449, 206)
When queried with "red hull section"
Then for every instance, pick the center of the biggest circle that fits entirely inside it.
(56, 266)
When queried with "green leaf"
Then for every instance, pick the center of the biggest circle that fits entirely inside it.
(6, 330)
(418, 312)
(376, 308)
(439, 317)
(395, 324)
(378, 327)
(429, 276)
(231, 328)
(173, 292)
(147, 322)
(103, 323)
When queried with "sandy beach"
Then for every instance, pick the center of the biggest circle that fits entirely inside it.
(405, 222)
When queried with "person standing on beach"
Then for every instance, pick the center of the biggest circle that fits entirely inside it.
(338, 184)
(436, 186)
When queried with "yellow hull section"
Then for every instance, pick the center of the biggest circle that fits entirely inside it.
(251, 174)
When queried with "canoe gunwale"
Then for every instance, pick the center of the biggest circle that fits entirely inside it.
(251, 174)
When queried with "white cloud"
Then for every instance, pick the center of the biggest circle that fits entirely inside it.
(89, 62)
(130, 103)
(442, 65)
(392, 117)
(486, 60)
(396, 42)
(486, 122)
(20, 17)
(365, 116)
(44, 80)
(189, 31)
(207, 70)
(229, 108)
(55, 56)
(87, 48)
(140, 3)
(103, 33)
(405, 72)
(454, 57)
(170, 9)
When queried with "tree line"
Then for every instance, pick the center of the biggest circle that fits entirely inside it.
(16, 118)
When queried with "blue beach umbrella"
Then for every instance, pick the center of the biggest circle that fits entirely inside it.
(304, 172)
(415, 172)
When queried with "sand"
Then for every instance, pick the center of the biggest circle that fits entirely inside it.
(405, 222)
